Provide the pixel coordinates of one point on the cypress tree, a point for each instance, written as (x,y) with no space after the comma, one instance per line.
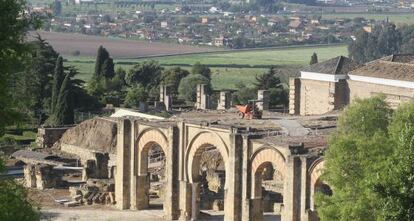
(314,59)
(57,82)
(108,68)
(64,113)
(101,57)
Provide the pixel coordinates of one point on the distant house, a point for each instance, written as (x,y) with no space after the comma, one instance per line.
(367,29)
(221,41)
(164,24)
(295,25)
(204,20)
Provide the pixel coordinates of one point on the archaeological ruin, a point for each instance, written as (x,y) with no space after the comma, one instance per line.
(213,160)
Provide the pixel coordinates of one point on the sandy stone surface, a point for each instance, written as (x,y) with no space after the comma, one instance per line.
(77,214)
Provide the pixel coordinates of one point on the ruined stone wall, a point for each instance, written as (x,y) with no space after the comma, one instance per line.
(97,134)
(395,95)
(46,137)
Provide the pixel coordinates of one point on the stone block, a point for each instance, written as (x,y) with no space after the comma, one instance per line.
(77,197)
(71,204)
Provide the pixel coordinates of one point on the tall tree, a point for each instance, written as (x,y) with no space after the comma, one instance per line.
(108,68)
(173,77)
(267,80)
(271,81)
(147,73)
(31,84)
(314,59)
(188,86)
(58,78)
(64,113)
(14,23)
(356,156)
(101,57)
(382,41)
(395,187)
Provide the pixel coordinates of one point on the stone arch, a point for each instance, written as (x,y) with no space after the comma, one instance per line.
(315,171)
(259,159)
(196,147)
(145,141)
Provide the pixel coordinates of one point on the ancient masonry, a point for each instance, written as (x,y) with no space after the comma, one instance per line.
(245,155)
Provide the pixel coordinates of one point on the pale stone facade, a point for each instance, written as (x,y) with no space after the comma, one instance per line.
(332,84)
(244,156)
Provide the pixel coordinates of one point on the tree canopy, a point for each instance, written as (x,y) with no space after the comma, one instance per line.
(14,23)
(314,59)
(368,164)
(383,40)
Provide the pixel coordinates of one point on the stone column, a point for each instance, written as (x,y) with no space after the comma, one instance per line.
(224,100)
(195,201)
(165,96)
(294,197)
(143,186)
(122,180)
(294,96)
(202,97)
(185,200)
(29,175)
(134,166)
(257,209)
(264,97)
(246,180)
(233,196)
(304,190)
(172,187)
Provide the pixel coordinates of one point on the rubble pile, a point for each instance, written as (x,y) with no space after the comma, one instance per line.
(95,191)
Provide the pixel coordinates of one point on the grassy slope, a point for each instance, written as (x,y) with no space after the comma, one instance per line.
(227,77)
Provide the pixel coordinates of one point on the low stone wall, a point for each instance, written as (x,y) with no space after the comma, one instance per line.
(46,137)
(42,176)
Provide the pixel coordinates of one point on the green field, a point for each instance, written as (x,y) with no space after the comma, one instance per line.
(397,18)
(227,77)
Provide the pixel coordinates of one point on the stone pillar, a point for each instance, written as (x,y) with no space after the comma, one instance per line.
(257,209)
(264,97)
(195,201)
(246,180)
(171,196)
(294,198)
(143,186)
(122,178)
(224,100)
(29,175)
(294,96)
(304,190)
(202,97)
(185,200)
(233,196)
(134,162)
(166,97)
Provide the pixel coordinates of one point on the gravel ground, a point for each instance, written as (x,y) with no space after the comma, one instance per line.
(64,214)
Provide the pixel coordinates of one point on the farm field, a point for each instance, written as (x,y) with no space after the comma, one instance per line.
(226,74)
(397,18)
(68,43)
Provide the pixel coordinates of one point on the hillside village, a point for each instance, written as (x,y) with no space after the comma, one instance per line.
(205,25)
